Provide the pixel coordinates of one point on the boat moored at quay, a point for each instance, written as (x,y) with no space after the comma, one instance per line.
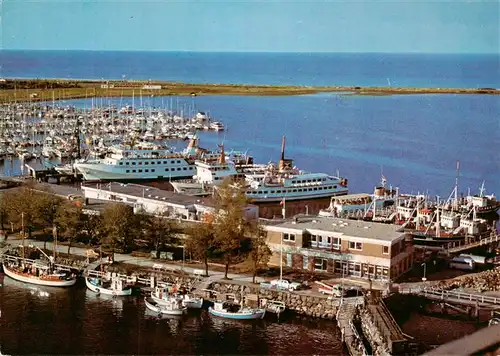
(265,183)
(39,273)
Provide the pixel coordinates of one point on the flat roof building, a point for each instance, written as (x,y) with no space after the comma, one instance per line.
(348,247)
(157,201)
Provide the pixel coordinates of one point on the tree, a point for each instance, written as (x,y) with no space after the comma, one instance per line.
(69,221)
(46,206)
(260,253)
(158,230)
(119,225)
(92,226)
(201,242)
(21,203)
(230,225)
(4,209)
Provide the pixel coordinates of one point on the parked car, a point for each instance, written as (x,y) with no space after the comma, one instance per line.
(285,284)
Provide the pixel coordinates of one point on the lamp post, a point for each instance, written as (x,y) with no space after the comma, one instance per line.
(281,257)
(183,256)
(425,268)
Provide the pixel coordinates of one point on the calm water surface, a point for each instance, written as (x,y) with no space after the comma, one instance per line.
(37,320)
(414,140)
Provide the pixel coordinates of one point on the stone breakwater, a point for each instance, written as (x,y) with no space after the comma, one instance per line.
(302,304)
(372,333)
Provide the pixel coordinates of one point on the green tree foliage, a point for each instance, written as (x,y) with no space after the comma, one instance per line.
(69,221)
(260,253)
(119,227)
(92,228)
(201,242)
(4,209)
(158,230)
(230,227)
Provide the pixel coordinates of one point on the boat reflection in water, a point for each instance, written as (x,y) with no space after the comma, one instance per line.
(35,290)
(114,303)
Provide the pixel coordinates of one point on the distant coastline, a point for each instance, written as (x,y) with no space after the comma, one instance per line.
(12,90)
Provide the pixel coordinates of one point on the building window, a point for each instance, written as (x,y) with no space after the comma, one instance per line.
(320,264)
(385,250)
(152,170)
(336,243)
(288,237)
(313,238)
(166,169)
(128,171)
(305,262)
(355,245)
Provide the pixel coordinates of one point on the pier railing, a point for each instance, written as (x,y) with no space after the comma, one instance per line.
(387,326)
(452,248)
(452,296)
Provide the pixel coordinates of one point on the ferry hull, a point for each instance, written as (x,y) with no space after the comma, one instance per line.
(312,206)
(36,280)
(101,290)
(91,173)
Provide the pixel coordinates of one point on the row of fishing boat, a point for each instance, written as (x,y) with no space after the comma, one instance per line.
(164,299)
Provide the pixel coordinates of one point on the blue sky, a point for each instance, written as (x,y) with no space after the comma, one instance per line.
(433,26)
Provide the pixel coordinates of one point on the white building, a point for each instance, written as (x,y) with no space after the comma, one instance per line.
(157,201)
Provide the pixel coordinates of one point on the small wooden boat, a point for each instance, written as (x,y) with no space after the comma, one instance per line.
(44,275)
(191,302)
(173,308)
(163,295)
(223,310)
(114,287)
(275,306)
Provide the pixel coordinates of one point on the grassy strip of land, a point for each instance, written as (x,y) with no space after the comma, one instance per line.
(21,90)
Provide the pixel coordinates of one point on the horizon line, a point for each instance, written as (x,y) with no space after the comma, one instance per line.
(230,52)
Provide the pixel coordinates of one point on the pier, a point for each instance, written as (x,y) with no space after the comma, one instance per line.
(454,297)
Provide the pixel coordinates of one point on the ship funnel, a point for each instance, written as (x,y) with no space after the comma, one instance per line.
(284,164)
(193,143)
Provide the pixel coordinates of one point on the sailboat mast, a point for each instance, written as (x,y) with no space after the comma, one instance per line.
(456,183)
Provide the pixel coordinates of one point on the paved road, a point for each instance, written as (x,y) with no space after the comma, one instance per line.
(139,261)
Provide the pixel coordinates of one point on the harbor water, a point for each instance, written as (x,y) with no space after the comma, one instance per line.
(414,140)
(76,321)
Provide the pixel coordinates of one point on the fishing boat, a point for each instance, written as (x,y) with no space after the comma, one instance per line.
(191,302)
(228,311)
(114,286)
(39,272)
(274,306)
(173,307)
(163,295)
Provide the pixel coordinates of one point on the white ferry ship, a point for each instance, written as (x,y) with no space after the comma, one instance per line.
(145,161)
(266,183)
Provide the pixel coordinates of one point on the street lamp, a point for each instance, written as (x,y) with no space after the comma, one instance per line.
(425,267)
